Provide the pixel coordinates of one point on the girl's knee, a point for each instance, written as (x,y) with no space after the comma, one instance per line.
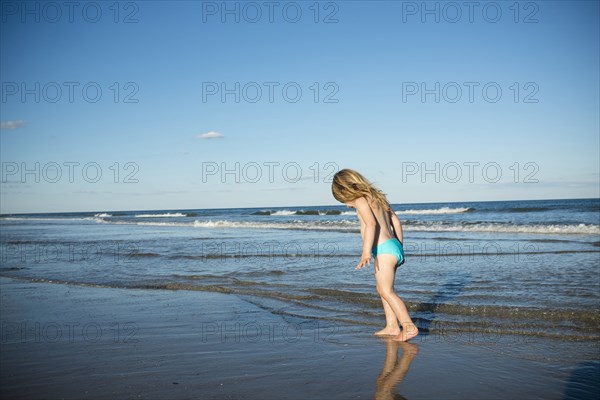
(385,292)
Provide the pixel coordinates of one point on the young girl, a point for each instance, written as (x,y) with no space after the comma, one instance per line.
(381,232)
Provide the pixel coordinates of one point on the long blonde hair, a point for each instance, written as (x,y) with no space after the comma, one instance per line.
(349,185)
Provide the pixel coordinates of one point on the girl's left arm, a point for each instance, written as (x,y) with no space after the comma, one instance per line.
(364,212)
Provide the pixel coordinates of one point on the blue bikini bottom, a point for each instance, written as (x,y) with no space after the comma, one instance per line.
(393,247)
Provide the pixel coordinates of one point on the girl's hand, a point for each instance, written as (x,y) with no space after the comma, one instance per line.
(364,261)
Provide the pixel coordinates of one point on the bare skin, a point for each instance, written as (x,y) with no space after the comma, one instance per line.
(375,228)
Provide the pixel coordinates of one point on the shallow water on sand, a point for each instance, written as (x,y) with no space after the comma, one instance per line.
(72,342)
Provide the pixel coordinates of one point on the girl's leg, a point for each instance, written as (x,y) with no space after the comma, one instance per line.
(391,322)
(385,287)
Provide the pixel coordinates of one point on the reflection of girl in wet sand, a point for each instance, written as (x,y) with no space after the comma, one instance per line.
(393,372)
(381,231)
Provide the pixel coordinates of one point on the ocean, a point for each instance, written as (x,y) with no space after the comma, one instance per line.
(487,271)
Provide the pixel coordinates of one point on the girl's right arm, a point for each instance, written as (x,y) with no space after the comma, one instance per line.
(363,210)
(397,226)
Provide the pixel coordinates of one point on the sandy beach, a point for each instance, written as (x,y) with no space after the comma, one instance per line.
(73,342)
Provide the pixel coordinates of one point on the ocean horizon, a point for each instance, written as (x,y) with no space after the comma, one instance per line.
(280,206)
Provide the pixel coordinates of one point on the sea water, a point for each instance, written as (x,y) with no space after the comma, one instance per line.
(501,269)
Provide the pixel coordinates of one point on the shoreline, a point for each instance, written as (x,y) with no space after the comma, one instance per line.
(64,341)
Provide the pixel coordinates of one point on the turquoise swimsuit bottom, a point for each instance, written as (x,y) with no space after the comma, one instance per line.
(393,247)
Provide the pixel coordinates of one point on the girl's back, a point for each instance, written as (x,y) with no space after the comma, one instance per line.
(383,218)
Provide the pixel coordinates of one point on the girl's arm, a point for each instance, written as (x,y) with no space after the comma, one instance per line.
(366,215)
(397,226)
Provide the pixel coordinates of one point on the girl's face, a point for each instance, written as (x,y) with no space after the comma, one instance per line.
(351,204)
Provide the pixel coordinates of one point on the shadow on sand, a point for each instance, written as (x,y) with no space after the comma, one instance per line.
(447,291)
(584,382)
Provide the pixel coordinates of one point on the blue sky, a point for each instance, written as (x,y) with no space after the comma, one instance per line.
(162,75)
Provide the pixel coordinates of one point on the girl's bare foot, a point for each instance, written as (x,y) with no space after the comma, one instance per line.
(408,332)
(387,331)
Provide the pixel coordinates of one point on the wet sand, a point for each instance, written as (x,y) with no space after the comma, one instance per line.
(76,342)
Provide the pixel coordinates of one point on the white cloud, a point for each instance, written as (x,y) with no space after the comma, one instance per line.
(12,124)
(211,135)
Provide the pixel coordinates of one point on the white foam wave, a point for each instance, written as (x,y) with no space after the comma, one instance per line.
(294,225)
(507,228)
(346,225)
(442,210)
(283,213)
(286,213)
(167,215)
(102,215)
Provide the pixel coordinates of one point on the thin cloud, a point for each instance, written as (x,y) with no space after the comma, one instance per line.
(211,135)
(10,125)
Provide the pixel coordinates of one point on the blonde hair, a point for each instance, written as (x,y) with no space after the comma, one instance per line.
(349,185)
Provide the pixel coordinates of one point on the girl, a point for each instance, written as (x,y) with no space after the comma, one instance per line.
(381,232)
